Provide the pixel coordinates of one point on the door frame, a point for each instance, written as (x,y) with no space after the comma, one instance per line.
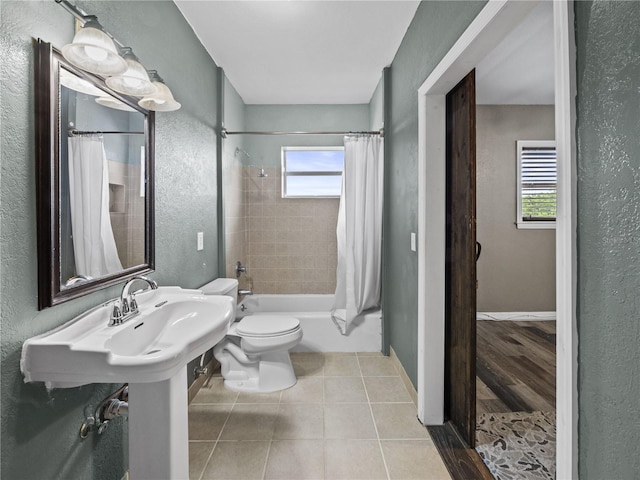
(491,25)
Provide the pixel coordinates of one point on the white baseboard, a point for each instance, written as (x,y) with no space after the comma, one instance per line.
(516,316)
(403,375)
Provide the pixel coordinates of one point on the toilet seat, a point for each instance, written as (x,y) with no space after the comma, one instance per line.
(261,326)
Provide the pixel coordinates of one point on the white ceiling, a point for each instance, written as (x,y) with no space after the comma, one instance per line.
(333,52)
(520,69)
(301,52)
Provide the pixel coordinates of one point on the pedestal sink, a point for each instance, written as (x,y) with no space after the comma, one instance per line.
(150,352)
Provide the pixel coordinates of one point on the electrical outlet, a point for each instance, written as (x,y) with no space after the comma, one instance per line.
(413,241)
(200,241)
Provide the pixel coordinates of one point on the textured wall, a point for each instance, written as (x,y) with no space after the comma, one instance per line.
(608,74)
(517,268)
(40,429)
(434,29)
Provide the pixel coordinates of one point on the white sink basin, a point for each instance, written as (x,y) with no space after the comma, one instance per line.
(173,327)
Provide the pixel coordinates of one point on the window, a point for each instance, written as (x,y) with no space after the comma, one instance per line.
(536,184)
(312,171)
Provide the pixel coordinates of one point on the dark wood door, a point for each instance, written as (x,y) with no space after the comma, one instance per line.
(460,310)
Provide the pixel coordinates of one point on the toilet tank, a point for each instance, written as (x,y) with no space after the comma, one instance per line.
(221,286)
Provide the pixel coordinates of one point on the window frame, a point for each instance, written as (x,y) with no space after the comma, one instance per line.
(307,173)
(521,223)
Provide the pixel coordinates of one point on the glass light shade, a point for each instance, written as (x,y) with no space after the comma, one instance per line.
(134,81)
(161,101)
(93,51)
(112,102)
(78,84)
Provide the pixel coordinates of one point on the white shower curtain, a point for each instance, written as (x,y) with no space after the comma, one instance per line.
(359,230)
(94,246)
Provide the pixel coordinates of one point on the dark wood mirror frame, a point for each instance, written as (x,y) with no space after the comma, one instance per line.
(47,129)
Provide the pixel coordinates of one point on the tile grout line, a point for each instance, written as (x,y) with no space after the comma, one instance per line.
(266,460)
(215,445)
(384,460)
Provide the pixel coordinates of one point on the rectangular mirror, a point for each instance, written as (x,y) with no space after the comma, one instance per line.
(94,173)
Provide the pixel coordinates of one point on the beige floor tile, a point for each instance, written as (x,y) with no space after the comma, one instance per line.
(398,421)
(348,420)
(386,389)
(377,366)
(307,390)
(199,453)
(295,460)
(299,421)
(272,397)
(215,392)
(336,365)
(206,421)
(250,422)
(237,461)
(413,460)
(353,460)
(307,364)
(344,389)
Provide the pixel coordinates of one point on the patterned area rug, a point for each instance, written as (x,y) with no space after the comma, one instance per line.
(518,445)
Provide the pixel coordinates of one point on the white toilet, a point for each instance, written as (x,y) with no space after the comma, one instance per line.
(254,356)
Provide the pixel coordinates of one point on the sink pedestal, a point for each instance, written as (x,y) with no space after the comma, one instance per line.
(158,429)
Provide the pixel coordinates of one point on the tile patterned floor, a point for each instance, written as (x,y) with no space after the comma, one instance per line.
(349,417)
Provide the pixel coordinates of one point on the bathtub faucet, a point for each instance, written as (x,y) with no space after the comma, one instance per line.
(245,292)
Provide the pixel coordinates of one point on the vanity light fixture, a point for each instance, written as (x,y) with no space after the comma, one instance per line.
(112,102)
(97,51)
(162,100)
(134,81)
(93,50)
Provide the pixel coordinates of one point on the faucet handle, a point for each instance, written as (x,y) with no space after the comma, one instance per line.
(116,314)
(133,305)
(125,306)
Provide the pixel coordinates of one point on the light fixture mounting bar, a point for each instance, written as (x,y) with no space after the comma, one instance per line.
(83,17)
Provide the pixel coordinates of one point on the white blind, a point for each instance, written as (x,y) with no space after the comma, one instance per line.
(538,181)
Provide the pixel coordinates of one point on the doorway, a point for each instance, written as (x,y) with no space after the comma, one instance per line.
(490,26)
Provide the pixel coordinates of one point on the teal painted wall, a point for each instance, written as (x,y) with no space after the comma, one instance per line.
(608,135)
(265,150)
(40,429)
(434,29)
(376,107)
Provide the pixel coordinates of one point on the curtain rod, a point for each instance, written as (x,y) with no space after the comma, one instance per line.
(73,133)
(224,133)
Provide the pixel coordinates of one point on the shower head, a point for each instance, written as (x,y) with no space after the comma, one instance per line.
(239,151)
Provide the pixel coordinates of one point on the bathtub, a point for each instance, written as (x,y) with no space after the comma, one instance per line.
(320,334)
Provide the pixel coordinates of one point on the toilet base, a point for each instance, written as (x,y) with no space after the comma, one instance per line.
(271,373)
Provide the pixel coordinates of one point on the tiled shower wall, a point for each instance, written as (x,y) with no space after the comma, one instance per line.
(127,212)
(291,243)
(234,214)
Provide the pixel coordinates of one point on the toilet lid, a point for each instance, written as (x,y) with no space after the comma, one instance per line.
(267,325)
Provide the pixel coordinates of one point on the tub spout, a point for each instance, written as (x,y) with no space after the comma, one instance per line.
(245,292)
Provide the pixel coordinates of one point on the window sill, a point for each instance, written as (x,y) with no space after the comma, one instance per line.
(536,225)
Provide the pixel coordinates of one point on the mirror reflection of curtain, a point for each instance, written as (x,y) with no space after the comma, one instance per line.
(359,230)
(94,245)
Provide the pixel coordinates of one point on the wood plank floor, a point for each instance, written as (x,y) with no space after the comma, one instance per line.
(516,365)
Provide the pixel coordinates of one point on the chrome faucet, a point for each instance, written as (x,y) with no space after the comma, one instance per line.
(126,306)
(245,292)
